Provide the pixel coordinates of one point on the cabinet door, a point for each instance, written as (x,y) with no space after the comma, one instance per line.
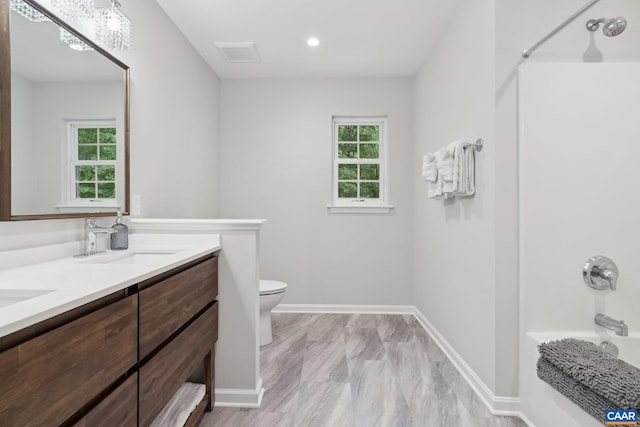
(119,408)
(49,378)
(165,372)
(166,306)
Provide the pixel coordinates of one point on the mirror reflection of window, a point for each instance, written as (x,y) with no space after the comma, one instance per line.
(94,162)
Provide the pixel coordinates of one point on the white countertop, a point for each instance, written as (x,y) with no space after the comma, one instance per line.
(71,282)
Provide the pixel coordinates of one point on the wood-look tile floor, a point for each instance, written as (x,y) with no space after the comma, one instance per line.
(333,370)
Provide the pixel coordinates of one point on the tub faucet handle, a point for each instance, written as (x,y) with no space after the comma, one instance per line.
(600,272)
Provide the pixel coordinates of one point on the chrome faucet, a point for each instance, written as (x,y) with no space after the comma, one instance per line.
(91,231)
(618,326)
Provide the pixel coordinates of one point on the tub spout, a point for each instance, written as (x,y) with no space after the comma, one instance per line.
(618,326)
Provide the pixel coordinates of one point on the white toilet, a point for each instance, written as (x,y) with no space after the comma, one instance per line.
(271,293)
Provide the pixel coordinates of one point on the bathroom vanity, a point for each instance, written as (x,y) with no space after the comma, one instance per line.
(119,355)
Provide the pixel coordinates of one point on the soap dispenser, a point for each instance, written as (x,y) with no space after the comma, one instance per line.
(120,235)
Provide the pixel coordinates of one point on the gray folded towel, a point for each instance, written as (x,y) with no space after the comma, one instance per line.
(588,364)
(592,403)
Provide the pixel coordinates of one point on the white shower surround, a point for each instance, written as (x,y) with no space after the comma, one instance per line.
(578,198)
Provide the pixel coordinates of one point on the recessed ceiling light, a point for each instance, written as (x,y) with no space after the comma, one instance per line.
(313,42)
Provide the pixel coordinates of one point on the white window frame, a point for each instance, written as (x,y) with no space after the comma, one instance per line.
(361,205)
(72,162)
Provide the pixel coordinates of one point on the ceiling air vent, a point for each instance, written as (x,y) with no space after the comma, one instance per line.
(238,52)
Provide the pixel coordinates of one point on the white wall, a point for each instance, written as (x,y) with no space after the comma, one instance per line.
(579,194)
(276,164)
(174,130)
(174,118)
(23,106)
(454,239)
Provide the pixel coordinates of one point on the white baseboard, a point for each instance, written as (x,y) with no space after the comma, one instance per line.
(526,420)
(343,308)
(498,405)
(239,398)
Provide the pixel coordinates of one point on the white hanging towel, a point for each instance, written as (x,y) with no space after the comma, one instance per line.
(429,168)
(430,174)
(442,188)
(463,181)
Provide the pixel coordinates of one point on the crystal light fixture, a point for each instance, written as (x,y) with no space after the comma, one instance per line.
(113,28)
(28,11)
(74,42)
(74,9)
(109,26)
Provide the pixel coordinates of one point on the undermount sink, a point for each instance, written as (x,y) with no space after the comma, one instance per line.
(135,257)
(14,296)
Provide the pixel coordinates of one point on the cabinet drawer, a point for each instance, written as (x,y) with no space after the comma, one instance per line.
(119,408)
(47,379)
(163,375)
(166,306)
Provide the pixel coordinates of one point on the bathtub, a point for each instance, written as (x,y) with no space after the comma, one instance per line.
(542,405)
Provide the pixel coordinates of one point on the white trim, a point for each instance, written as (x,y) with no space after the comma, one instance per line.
(239,398)
(497,405)
(344,308)
(526,420)
(201,225)
(382,161)
(521,234)
(359,209)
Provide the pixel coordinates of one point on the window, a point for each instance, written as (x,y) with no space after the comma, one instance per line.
(93,165)
(359,181)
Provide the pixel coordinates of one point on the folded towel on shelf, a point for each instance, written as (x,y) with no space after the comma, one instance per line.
(588,364)
(429,168)
(590,401)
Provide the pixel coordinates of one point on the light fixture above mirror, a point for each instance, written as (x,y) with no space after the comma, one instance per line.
(113,28)
(104,18)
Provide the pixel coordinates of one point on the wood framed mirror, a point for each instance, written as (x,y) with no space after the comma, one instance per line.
(64,120)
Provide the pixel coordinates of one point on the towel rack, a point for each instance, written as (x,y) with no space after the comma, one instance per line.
(478,145)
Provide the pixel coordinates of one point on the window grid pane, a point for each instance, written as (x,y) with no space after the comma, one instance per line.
(88,152)
(85,190)
(369,172)
(87,136)
(107,136)
(369,151)
(368,133)
(369,190)
(347,190)
(347,133)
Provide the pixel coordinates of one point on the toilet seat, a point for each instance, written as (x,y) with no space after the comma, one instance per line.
(270,287)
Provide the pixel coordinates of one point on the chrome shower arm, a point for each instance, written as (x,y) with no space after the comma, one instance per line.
(527,52)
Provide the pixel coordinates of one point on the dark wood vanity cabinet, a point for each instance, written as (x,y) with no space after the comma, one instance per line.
(45,380)
(178,327)
(119,408)
(118,360)
(167,305)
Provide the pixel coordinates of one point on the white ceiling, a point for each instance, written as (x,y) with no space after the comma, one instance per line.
(359,38)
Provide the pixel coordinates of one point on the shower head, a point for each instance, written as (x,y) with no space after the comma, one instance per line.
(610,27)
